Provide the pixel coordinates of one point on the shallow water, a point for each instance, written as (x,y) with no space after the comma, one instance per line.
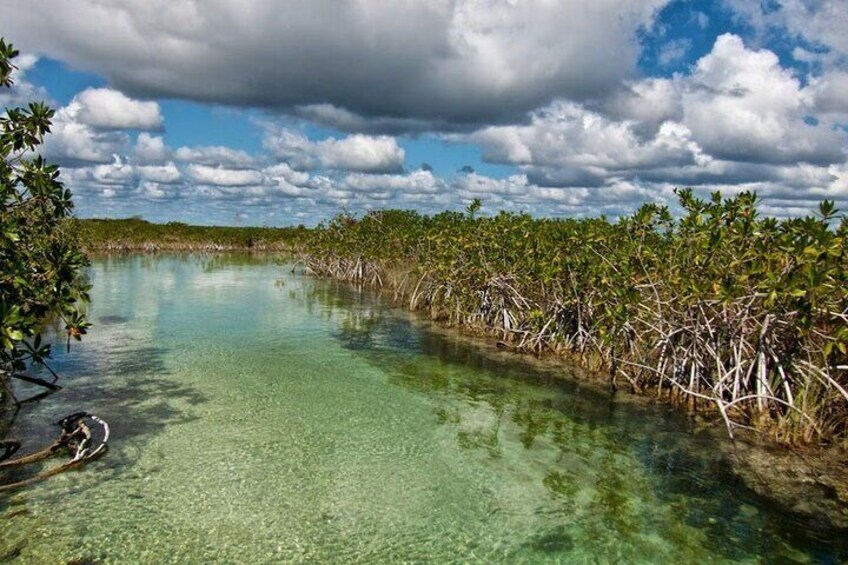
(261,417)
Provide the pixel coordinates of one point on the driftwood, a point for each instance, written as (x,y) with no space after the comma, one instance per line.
(76,438)
(33,457)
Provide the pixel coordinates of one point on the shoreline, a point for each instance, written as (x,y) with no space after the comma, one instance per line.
(808,480)
(204,247)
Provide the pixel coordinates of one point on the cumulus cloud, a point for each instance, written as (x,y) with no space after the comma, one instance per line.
(219,176)
(117,172)
(90,128)
(215,156)
(283,172)
(71,142)
(742,105)
(109,109)
(613,197)
(453,60)
(820,23)
(357,152)
(150,148)
(288,181)
(154,191)
(160,174)
(738,116)
(475,185)
(567,136)
(549,92)
(645,103)
(415,182)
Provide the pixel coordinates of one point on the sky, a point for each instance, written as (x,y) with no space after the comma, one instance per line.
(269,112)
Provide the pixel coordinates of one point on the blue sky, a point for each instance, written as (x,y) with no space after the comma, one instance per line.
(249,112)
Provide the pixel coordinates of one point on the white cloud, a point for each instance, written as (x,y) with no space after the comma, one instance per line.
(71,141)
(284,172)
(219,176)
(475,185)
(819,22)
(151,148)
(646,103)
(89,128)
(742,105)
(109,109)
(838,185)
(363,153)
(569,197)
(738,105)
(614,197)
(415,182)
(160,174)
(215,156)
(153,190)
(116,173)
(566,135)
(288,181)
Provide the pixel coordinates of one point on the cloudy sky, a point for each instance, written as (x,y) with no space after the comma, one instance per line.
(283,112)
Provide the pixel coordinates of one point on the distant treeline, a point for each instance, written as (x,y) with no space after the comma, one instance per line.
(720,309)
(135,234)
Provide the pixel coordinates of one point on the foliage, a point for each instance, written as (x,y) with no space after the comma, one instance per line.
(138,234)
(720,309)
(40,261)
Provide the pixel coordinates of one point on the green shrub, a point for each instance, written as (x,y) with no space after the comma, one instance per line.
(40,259)
(721,308)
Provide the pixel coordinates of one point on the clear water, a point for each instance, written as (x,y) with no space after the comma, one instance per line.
(262,417)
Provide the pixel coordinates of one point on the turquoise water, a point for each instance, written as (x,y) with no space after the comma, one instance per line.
(260,417)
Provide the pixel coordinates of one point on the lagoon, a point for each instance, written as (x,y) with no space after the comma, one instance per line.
(262,416)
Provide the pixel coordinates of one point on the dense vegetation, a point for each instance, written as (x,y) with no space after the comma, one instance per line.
(138,234)
(40,259)
(720,309)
